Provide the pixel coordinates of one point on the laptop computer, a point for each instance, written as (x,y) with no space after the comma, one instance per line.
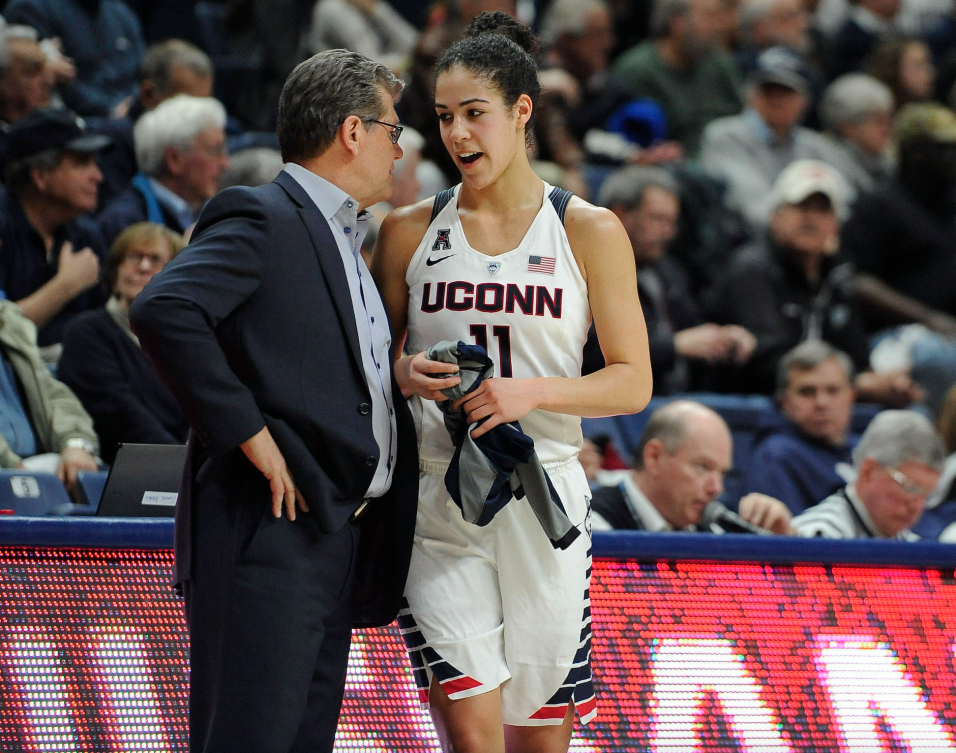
(143,482)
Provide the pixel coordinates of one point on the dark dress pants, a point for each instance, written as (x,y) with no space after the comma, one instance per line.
(269,614)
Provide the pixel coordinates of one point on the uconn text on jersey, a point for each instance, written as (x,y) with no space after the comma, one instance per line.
(492,297)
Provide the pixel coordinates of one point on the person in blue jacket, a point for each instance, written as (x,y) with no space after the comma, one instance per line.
(796,456)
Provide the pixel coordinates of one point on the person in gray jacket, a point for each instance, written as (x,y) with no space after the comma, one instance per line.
(748,151)
(43,426)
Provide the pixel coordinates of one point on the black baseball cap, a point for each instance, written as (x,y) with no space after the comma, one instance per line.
(52,129)
(780,66)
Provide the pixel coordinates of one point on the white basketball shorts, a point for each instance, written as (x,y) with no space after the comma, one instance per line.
(498,606)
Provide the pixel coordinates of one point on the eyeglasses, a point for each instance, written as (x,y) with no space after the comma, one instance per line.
(907,484)
(394,130)
(136,259)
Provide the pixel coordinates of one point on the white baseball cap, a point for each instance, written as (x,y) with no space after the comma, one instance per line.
(804,177)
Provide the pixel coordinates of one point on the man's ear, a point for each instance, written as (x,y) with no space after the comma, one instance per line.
(173,160)
(351,133)
(654,450)
(147,94)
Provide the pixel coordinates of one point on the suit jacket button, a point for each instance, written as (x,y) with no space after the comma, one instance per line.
(371,461)
(365,409)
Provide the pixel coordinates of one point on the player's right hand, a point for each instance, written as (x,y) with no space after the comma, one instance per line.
(416,375)
(264,454)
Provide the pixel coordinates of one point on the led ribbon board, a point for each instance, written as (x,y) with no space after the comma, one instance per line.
(688,656)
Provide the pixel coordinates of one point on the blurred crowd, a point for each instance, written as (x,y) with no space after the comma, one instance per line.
(785,170)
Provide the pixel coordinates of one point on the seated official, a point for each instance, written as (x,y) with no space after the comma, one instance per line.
(43,427)
(180,151)
(795,457)
(102,361)
(677,475)
(897,464)
(50,253)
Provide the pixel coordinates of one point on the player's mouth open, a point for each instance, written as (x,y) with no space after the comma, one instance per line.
(469,158)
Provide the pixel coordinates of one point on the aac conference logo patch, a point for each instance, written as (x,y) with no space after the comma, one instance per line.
(443,241)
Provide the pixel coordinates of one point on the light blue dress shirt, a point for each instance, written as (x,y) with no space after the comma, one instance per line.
(174,203)
(348,228)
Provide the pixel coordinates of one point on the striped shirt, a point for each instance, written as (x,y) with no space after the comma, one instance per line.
(842,516)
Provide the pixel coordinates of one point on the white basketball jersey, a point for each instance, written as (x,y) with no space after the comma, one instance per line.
(527,307)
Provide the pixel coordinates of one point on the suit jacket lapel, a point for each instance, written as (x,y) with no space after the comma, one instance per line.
(330,260)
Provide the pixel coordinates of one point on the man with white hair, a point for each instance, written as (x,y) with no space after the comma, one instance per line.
(857,111)
(897,464)
(181,151)
(791,285)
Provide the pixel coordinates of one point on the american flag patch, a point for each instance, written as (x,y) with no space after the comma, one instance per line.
(541,264)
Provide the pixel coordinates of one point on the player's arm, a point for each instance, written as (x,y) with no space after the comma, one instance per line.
(401,232)
(603,251)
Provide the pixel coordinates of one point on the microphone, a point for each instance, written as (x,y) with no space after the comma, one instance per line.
(717,513)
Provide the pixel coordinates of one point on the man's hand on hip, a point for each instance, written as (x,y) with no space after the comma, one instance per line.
(265,455)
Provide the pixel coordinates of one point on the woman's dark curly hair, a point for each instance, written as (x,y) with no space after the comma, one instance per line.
(502,51)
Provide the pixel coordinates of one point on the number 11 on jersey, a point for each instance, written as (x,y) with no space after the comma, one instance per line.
(502,334)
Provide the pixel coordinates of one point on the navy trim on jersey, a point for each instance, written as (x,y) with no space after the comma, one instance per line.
(560,198)
(441,201)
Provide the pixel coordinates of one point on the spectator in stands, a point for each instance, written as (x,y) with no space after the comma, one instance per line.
(906,66)
(857,111)
(102,37)
(869,23)
(181,151)
(769,23)
(683,69)
(25,83)
(795,456)
(938,517)
(169,68)
(792,285)
(897,465)
(647,201)
(51,252)
(102,362)
(901,238)
(43,427)
(677,475)
(370,27)
(750,150)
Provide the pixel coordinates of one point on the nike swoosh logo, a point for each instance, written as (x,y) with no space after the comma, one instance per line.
(430,262)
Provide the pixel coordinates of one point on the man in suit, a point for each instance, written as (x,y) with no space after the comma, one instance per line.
(271,334)
(678,472)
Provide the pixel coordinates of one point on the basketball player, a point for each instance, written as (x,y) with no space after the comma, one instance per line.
(498,621)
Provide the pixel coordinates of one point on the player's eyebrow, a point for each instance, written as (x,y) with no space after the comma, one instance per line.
(464,103)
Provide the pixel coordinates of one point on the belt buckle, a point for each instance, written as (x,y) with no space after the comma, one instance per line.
(359,511)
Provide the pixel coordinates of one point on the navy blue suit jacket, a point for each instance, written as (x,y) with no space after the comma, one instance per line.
(252,325)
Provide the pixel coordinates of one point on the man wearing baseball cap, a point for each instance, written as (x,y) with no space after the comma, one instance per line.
(51,252)
(792,285)
(748,151)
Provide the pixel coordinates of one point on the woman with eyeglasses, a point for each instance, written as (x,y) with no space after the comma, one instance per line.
(102,361)
(498,622)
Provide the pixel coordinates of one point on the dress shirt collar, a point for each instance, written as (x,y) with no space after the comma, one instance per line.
(652,519)
(327,196)
(173,201)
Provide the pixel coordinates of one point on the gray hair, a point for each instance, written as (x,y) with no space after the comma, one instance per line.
(9,34)
(567,17)
(321,93)
(852,99)
(669,425)
(626,186)
(174,123)
(895,436)
(664,11)
(160,60)
(807,356)
(18,175)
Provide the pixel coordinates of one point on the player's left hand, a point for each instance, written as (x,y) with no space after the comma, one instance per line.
(500,401)
(765,511)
